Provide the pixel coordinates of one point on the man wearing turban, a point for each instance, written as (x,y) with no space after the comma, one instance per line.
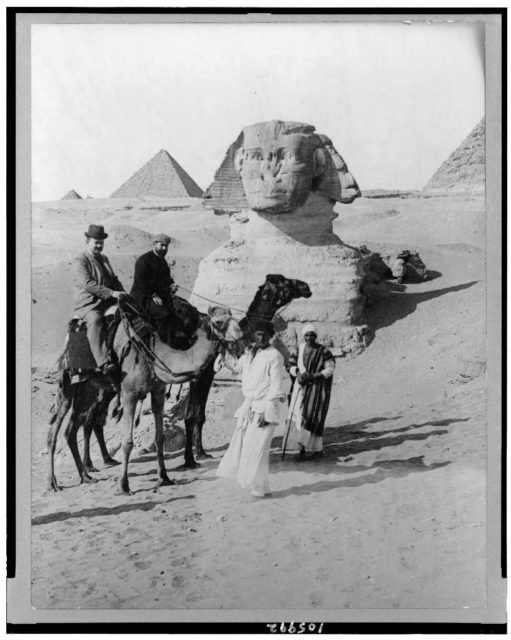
(311,394)
(262,375)
(153,286)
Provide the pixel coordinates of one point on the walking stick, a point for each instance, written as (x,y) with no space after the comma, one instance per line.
(289,416)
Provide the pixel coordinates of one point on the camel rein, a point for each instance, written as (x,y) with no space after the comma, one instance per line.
(146,352)
(140,345)
(247,313)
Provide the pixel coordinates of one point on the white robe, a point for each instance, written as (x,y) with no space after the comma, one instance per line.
(247,458)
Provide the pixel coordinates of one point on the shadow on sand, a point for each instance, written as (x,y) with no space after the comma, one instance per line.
(59,516)
(381,470)
(391,303)
(342,441)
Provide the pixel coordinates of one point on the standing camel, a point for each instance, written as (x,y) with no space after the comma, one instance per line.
(143,369)
(276,292)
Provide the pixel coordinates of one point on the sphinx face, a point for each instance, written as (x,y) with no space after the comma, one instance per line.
(276,170)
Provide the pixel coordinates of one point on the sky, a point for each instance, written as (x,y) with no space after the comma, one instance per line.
(395,98)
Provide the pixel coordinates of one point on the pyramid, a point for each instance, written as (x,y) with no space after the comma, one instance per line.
(162,176)
(72,195)
(464,169)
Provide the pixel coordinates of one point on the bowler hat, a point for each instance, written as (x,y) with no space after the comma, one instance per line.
(161,237)
(96,231)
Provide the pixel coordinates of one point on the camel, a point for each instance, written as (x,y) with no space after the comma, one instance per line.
(142,370)
(276,292)
(90,400)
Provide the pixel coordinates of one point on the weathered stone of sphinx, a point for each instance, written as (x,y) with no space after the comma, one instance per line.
(279,182)
(273,166)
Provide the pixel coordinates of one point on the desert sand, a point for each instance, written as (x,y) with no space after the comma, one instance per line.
(393,517)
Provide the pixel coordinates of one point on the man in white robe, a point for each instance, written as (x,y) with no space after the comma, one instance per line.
(248,456)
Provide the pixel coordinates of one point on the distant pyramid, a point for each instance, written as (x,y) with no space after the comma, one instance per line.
(162,176)
(72,195)
(464,169)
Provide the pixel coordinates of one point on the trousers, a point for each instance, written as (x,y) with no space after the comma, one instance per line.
(96,335)
(160,315)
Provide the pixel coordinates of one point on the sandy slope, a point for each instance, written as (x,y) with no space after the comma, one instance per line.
(393,517)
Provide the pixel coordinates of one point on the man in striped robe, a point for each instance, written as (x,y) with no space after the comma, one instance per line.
(311,394)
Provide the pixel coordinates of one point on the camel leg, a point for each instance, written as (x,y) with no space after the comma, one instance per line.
(99,425)
(203,387)
(129,404)
(157,405)
(190,421)
(100,437)
(63,404)
(70,433)
(87,432)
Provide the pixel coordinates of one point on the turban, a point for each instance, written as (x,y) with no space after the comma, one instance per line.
(161,237)
(266,326)
(309,328)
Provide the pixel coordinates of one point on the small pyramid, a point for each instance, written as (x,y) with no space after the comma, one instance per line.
(464,169)
(162,176)
(89,197)
(72,195)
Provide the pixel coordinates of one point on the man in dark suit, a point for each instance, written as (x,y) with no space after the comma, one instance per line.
(96,289)
(153,286)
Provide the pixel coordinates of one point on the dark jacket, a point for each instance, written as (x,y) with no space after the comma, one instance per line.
(152,277)
(94,281)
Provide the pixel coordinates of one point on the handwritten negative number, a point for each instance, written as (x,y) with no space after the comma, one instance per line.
(299,627)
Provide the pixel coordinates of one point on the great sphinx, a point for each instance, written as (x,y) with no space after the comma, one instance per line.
(279,182)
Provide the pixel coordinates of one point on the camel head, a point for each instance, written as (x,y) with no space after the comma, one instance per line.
(222,325)
(280,290)
(276,292)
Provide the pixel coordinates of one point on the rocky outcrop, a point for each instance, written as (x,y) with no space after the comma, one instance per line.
(161,177)
(464,169)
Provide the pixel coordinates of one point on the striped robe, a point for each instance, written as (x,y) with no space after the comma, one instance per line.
(316,396)
(309,403)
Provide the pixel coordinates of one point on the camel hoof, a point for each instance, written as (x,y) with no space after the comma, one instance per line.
(163,482)
(86,479)
(53,486)
(189,465)
(123,491)
(90,468)
(111,462)
(203,455)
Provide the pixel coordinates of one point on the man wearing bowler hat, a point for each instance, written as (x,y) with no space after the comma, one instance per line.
(153,286)
(96,288)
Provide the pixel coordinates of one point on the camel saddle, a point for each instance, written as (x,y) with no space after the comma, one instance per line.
(78,354)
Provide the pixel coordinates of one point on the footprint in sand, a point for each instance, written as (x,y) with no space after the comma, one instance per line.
(179,562)
(193,597)
(322,573)
(178,581)
(316,598)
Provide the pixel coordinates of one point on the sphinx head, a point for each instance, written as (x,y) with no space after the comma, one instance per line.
(278,163)
(273,166)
